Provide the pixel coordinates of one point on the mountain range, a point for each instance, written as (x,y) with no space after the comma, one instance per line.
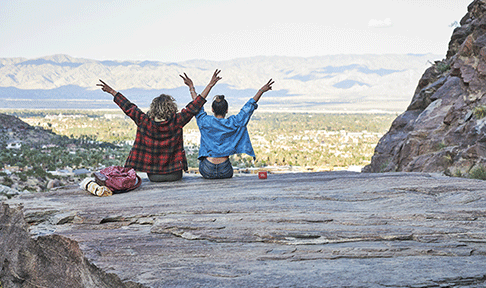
(333,83)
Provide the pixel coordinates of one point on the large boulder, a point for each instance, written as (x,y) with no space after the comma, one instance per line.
(47,261)
(443,128)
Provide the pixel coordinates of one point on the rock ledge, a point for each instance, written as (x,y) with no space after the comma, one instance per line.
(329,229)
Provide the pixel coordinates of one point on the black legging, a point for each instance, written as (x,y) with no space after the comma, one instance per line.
(174,176)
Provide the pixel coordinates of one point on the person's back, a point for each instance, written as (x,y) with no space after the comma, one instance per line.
(222,137)
(158,148)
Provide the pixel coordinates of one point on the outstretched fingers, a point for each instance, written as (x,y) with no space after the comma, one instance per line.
(105,87)
(216,74)
(184,77)
(187,80)
(103,84)
(268,86)
(215,77)
(270,83)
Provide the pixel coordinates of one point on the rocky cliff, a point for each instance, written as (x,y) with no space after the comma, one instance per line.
(47,261)
(443,129)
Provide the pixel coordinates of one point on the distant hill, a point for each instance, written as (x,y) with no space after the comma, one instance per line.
(13,129)
(324,83)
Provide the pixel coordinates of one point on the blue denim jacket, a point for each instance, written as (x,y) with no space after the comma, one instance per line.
(225,137)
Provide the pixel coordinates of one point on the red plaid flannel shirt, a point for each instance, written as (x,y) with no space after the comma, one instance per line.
(158,146)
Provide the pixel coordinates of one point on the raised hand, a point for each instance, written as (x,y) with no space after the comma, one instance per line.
(215,78)
(106,88)
(264,89)
(187,80)
(267,86)
(189,83)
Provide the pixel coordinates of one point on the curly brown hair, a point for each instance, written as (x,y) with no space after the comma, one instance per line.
(162,108)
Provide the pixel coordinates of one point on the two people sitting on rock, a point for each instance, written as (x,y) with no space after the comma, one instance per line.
(158,149)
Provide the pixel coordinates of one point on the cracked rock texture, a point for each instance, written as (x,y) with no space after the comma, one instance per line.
(443,128)
(330,229)
(47,261)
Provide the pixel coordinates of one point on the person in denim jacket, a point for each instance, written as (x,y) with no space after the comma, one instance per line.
(222,137)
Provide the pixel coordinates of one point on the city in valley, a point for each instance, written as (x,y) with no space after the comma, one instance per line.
(84,141)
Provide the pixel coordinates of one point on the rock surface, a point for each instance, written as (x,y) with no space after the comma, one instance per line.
(443,128)
(330,229)
(48,261)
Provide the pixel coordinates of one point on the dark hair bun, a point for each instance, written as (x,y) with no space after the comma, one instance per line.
(219,98)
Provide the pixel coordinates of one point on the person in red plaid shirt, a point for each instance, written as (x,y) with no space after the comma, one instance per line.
(158,149)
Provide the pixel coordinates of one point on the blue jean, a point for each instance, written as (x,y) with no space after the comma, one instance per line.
(215,171)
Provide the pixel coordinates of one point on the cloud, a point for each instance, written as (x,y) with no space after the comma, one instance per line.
(374,23)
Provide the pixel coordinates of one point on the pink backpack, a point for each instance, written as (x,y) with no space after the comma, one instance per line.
(118,179)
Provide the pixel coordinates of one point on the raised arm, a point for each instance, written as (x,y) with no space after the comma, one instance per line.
(189,83)
(264,89)
(214,79)
(107,88)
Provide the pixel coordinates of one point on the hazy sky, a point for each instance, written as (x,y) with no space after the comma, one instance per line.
(178,30)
